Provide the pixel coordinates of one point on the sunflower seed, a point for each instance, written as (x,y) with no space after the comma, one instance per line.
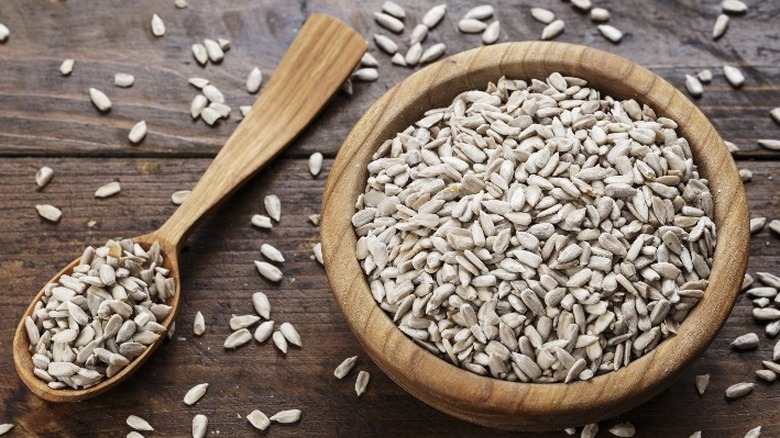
(491,33)
(471,25)
(197,106)
(280,341)
(210,115)
(242,321)
(433,53)
(542,15)
(43,176)
(158,26)
(583,5)
(99,99)
(134,434)
(389,22)
(66,68)
(746,175)
(721,24)
(610,32)
(368,60)
(200,424)
(254,80)
(317,250)
(287,416)
(733,6)
(273,206)
(315,163)
(200,54)
(199,324)
(195,393)
(290,334)
(734,76)
(757,224)
(314,219)
(766,375)
(180,4)
(747,341)
(49,212)
(772,145)
(263,331)
(696,434)
(107,190)
(590,430)
(570,431)
(198,83)
(553,29)
(258,420)
(221,109)
(702,382)
(345,367)
(213,50)
(693,86)
(261,304)
(413,54)
(434,16)
(123,80)
(774,226)
(385,44)
(139,423)
(271,253)
(599,14)
(739,390)
(213,94)
(361,382)
(366,74)
(705,76)
(418,35)
(245,109)
(224,44)
(623,430)
(4,33)
(262,221)
(766,314)
(180,196)
(238,338)
(137,133)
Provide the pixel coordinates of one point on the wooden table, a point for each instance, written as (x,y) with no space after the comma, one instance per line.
(47,119)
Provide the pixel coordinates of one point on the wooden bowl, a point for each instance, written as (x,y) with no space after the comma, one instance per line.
(524,406)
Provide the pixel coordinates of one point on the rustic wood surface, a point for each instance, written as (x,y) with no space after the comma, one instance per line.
(47,119)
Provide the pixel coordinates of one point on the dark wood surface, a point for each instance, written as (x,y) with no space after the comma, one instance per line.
(47,119)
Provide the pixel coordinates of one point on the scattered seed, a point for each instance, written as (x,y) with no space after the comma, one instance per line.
(482,12)
(245,109)
(238,338)
(180,196)
(287,417)
(433,53)
(213,94)
(124,80)
(757,224)
(775,114)
(195,393)
(553,29)
(583,5)
(221,109)
(4,33)
(315,163)
(705,76)
(254,80)
(385,44)
(471,25)
(49,212)
(389,22)
(542,15)
(491,33)
(238,322)
(317,250)
(107,190)
(258,420)
(139,423)
(734,76)
(271,253)
(99,99)
(263,331)
(262,221)
(610,32)
(198,83)
(314,219)
(368,60)
(702,382)
(434,16)
(158,26)
(746,175)
(413,55)
(137,133)
(213,50)
(747,341)
(273,206)
(180,4)
(696,434)
(200,54)
(774,226)
(199,324)
(43,176)
(733,7)
(290,334)
(721,24)
(731,146)
(4,428)
(361,382)
(200,424)
(739,390)
(66,68)
(280,341)
(261,304)
(766,375)
(366,74)
(197,106)
(599,14)
(210,115)
(693,86)
(754,433)
(345,367)
(131,434)
(570,431)
(418,35)
(268,271)
(224,44)
(772,145)
(590,430)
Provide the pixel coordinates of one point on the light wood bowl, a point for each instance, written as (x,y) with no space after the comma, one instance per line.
(498,403)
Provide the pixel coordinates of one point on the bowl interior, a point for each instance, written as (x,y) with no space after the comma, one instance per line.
(512,405)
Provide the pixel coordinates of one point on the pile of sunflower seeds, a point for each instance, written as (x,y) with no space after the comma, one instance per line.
(536,231)
(93,322)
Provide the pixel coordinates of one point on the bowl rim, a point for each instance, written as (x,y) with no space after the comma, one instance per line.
(515,405)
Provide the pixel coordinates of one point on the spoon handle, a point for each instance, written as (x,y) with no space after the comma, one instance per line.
(318,61)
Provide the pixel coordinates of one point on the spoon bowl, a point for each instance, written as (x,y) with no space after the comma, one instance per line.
(299,88)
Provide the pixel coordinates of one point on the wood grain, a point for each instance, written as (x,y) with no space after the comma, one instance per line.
(47,119)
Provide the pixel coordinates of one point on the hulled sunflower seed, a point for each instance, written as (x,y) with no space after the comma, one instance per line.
(224,44)
(696,434)
(213,94)
(413,54)
(774,226)
(134,434)
(66,68)
(124,80)
(583,5)
(599,14)
(254,80)
(4,33)
(107,190)
(221,109)
(273,206)
(366,74)
(731,146)
(290,334)
(5,428)
(210,115)
(314,219)
(271,253)
(264,331)
(287,416)
(491,33)
(394,9)
(693,86)
(705,76)
(733,6)
(757,224)
(49,212)
(385,44)
(178,197)
(199,324)
(280,341)
(315,163)
(197,106)
(261,304)
(433,53)
(747,341)
(482,12)
(361,382)
(739,390)
(258,420)
(766,375)
(99,99)
(775,114)
(195,393)
(139,423)
(590,430)
(553,29)
(198,83)
(610,32)
(245,109)
(158,26)
(200,424)
(262,221)
(317,250)
(137,133)
(471,25)
(238,338)
(180,4)
(200,54)
(542,15)
(746,175)
(213,50)
(702,382)
(772,145)
(270,271)
(721,24)
(766,313)
(242,321)
(43,176)
(418,35)
(389,22)
(734,76)
(434,15)
(368,60)
(345,367)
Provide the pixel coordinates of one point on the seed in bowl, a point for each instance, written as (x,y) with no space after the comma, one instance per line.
(95,320)
(537,231)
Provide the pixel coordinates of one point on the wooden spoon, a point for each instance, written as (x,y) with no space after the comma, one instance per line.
(318,61)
